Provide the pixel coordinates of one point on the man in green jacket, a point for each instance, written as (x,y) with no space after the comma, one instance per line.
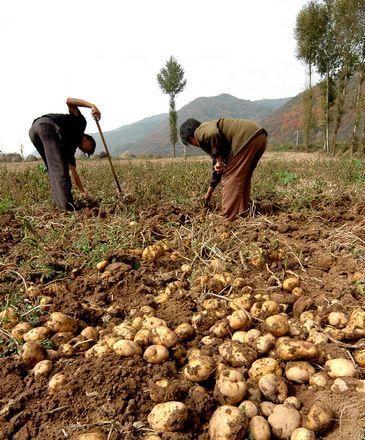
(236,146)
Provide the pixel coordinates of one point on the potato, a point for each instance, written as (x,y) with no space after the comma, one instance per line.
(199,368)
(299,372)
(32,353)
(42,368)
(267,408)
(297,291)
(220,313)
(239,320)
(90,333)
(293,401)
(259,429)
(147,311)
(336,333)
(102,265)
(220,329)
(163,336)
(227,423)
(109,340)
(243,302)
(143,337)
(57,382)
(265,309)
(59,322)
(151,322)
(337,319)
(156,354)
(284,420)
(211,304)
(318,379)
(319,418)
(20,330)
(168,417)
(273,388)
(294,350)
(95,435)
(137,323)
(8,318)
(359,356)
(277,325)
(239,336)
(264,366)
(263,344)
(184,331)
(62,338)
(340,368)
(203,320)
(125,331)
(66,350)
(126,348)
(355,327)
(316,337)
(339,386)
(251,336)
(230,387)
(99,350)
(302,434)
(37,334)
(249,408)
(238,283)
(236,354)
(291,283)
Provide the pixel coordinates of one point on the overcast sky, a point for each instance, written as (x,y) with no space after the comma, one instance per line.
(109,52)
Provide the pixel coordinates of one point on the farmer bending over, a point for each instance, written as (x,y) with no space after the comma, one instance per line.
(56,138)
(236,146)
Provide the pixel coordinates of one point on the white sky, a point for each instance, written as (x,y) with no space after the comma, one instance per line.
(109,52)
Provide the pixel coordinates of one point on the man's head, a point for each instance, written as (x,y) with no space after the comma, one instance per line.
(187,130)
(88,144)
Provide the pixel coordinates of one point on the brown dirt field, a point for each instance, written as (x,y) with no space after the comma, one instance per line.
(113,395)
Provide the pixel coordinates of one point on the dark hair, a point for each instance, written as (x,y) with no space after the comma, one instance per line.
(187,130)
(92,142)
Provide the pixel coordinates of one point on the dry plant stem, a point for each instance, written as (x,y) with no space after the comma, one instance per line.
(274,276)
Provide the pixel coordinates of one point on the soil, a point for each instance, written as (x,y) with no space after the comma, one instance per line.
(113,395)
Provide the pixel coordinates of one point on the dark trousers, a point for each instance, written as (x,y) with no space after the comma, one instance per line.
(46,138)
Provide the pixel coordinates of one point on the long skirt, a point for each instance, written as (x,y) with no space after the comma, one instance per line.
(236,179)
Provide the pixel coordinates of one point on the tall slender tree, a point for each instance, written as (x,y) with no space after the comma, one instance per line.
(171,81)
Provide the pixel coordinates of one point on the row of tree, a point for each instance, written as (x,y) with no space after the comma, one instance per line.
(330,36)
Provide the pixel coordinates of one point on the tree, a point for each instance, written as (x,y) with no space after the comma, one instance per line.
(171,81)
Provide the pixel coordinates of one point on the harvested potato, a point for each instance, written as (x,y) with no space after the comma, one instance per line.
(292,401)
(302,434)
(230,387)
(239,336)
(147,311)
(297,291)
(359,356)
(355,327)
(294,350)
(57,382)
(42,368)
(236,354)
(137,323)
(99,350)
(239,320)
(263,344)
(184,331)
(36,334)
(151,322)
(318,379)
(243,302)
(291,283)
(249,408)
(102,265)
(20,330)
(8,318)
(227,423)
(211,304)
(251,336)
(61,338)
(340,368)
(220,329)
(210,340)
(284,420)
(32,353)
(168,417)
(273,388)
(143,337)
(238,283)
(163,336)
(277,325)
(126,348)
(264,366)
(203,320)
(125,331)
(199,368)
(156,354)
(59,322)
(316,337)
(259,429)
(319,418)
(90,333)
(66,350)
(267,408)
(308,315)
(337,319)
(265,309)
(299,372)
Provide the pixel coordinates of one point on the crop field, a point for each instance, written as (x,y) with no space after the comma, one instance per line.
(150,317)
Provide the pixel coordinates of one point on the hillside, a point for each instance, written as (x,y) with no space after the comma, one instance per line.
(150,135)
(284,122)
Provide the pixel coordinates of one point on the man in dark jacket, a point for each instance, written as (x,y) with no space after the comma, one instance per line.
(56,138)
